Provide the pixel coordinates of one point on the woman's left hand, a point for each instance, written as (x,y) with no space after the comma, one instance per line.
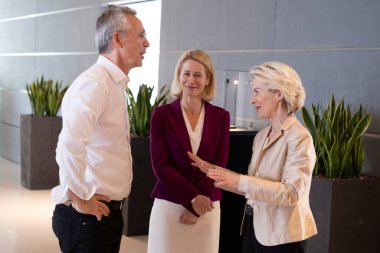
(198,162)
(224,178)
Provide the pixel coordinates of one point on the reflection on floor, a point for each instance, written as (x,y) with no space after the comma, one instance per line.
(25,218)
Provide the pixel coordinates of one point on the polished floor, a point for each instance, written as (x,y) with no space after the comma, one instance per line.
(25,218)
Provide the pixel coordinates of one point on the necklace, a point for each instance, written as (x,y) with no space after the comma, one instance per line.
(272,133)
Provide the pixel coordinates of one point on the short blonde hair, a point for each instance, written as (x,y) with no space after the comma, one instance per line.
(203,58)
(280,77)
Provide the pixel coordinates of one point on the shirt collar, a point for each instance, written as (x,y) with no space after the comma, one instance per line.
(115,72)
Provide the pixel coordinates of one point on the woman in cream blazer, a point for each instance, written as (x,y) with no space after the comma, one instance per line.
(277,217)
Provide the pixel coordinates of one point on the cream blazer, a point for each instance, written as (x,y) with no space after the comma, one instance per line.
(278,184)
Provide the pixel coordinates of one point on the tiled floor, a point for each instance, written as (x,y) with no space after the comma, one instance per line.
(25,218)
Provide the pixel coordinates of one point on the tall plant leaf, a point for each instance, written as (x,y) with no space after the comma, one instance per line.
(140,109)
(45,96)
(338,138)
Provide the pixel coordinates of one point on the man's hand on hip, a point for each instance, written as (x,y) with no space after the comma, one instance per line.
(94,206)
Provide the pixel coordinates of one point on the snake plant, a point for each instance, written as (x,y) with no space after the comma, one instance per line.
(45,96)
(338,138)
(140,109)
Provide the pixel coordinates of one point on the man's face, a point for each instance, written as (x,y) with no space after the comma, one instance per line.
(133,45)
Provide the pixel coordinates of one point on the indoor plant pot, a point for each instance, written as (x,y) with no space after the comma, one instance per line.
(345,203)
(346,213)
(39,135)
(136,211)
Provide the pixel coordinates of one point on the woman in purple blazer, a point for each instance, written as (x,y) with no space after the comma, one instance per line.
(185,215)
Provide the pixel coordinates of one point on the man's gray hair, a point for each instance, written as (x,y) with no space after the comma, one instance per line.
(112,20)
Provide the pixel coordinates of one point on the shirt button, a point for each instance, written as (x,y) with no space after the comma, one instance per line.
(256,208)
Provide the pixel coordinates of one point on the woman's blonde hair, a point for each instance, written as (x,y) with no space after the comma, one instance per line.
(203,58)
(280,77)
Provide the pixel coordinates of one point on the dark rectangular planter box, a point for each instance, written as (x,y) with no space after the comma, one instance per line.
(347,213)
(39,136)
(136,211)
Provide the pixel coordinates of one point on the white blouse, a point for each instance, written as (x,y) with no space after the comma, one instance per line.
(196,135)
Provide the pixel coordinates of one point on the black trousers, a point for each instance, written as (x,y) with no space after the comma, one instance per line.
(251,245)
(83,233)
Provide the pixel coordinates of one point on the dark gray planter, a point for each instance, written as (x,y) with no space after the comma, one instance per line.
(39,136)
(347,215)
(136,211)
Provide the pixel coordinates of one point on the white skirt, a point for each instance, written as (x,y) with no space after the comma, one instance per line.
(167,235)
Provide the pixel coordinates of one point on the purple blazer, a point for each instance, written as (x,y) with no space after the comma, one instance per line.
(177,180)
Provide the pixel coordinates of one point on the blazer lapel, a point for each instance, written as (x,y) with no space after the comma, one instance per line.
(208,131)
(263,145)
(286,125)
(178,123)
(262,142)
(272,140)
(257,156)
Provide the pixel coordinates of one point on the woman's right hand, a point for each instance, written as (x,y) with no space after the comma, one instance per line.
(224,178)
(202,204)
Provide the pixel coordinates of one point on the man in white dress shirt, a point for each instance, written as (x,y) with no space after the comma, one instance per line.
(93,150)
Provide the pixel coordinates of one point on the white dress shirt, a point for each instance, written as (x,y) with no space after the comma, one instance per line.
(93,150)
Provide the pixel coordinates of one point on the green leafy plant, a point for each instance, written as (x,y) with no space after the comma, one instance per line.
(140,109)
(338,138)
(45,96)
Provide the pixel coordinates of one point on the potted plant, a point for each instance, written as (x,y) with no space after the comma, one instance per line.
(345,203)
(39,134)
(141,109)
(136,211)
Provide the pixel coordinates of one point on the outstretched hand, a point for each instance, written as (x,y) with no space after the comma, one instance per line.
(198,162)
(224,178)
